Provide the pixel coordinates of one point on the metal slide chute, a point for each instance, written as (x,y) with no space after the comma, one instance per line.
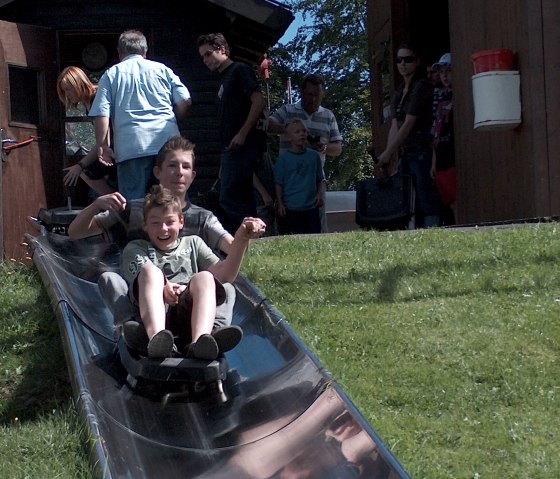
(283,414)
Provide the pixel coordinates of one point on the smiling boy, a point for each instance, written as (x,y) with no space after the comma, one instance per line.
(185,274)
(120,221)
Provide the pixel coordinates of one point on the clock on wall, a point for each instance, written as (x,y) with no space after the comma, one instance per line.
(94,56)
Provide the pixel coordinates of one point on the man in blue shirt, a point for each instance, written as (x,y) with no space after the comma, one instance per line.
(143,99)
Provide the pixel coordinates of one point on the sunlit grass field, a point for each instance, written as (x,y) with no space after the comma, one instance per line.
(447,341)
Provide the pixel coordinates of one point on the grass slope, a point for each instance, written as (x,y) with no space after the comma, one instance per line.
(447,341)
(41,435)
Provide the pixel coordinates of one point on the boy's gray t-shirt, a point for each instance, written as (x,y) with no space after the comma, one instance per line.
(179,264)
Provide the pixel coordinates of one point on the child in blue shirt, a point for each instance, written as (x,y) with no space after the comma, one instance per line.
(299,183)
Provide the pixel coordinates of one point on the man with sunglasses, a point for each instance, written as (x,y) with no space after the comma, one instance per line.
(240,107)
(410,135)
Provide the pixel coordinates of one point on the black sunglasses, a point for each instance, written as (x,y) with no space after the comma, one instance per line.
(408,59)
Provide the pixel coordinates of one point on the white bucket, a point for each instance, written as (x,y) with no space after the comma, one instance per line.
(497,101)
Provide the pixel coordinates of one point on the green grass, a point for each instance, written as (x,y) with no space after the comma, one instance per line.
(41,435)
(447,341)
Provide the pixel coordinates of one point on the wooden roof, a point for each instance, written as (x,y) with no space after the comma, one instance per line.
(251,26)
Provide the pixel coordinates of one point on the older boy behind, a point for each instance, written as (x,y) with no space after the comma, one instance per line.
(185,274)
(299,184)
(120,221)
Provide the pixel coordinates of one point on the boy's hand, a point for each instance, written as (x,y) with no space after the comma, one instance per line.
(111,202)
(251,228)
(171,292)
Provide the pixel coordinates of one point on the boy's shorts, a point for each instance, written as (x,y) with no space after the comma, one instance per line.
(178,317)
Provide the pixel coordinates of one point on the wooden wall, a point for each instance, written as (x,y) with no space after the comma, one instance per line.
(502,175)
(31,175)
(550,55)
(494,167)
(512,174)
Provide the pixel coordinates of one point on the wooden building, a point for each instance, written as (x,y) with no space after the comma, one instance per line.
(504,174)
(38,38)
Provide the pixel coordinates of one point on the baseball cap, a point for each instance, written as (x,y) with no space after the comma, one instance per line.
(444,61)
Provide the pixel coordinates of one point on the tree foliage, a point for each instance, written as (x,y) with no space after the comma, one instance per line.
(332,42)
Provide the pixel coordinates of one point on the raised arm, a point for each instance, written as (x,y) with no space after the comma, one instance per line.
(225,243)
(84,224)
(227,270)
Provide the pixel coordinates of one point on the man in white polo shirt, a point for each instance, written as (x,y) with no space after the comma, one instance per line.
(324,136)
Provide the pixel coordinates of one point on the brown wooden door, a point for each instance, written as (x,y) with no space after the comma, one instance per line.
(30,177)
(385,31)
(381,86)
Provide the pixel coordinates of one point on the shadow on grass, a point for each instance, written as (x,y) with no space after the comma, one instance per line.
(387,283)
(392,277)
(44,384)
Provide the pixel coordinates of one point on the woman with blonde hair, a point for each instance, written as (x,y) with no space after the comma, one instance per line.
(74,87)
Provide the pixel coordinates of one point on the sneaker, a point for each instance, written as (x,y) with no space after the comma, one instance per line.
(161,345)
(205,347)
(227,337)
(135,337)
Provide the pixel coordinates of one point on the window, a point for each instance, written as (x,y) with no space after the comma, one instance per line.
(79,132)
(25,104)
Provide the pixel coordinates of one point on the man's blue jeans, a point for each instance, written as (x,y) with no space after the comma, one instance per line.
(135,176)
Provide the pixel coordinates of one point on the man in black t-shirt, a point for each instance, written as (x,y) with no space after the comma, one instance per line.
(240,107)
